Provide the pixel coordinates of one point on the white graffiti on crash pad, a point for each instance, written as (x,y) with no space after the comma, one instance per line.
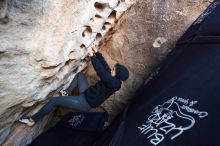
(170,118)
(76,120)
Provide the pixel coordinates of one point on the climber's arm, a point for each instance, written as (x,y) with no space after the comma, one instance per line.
(100,70)
(102,61)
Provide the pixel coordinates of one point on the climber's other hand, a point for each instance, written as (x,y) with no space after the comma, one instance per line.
(95,50)
(91,53)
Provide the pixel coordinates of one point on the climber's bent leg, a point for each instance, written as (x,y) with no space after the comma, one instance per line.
(82,82)
(73,85)
(73,102)
(79,80)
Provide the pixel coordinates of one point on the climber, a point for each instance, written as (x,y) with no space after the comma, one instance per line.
(89,97)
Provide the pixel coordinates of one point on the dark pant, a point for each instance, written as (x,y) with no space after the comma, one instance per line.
(74,102)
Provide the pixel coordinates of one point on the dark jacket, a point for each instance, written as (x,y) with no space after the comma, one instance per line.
(107,85)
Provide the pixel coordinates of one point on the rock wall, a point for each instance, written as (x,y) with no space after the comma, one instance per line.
(43,44)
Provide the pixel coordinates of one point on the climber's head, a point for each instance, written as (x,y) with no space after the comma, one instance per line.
(120,72)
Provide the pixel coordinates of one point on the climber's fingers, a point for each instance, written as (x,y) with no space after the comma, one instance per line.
(95,50)
(91,53)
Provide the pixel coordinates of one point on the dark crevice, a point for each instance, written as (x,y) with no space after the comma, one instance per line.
(87,31)
(98,16)
(106,25)
(100,6)
(82,46)
(4,19)
(51,67)
(98,36)
(112,15)
(103,27)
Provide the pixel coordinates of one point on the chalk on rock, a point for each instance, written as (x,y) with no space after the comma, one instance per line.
(113,3)
(158,42)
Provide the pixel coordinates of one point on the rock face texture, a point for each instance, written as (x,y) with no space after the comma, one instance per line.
(43,44)
(42,47)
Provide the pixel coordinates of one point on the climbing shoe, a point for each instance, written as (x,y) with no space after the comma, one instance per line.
(30,122)
(63,93)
